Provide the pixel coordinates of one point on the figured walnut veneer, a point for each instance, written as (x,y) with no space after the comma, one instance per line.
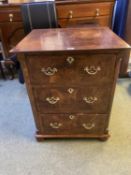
(71,76)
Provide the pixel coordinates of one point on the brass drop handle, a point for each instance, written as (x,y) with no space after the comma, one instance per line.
(71,117)
(88,126)
(11,17)
(52,100)
(49,71)
(92,70)
(55,125)
(90,100)
(97,12)
(70,14)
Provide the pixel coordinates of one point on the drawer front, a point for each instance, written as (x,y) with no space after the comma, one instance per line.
(84,10)
(72,69)
(73,99)
(10,15)
(68,124)
(85,22)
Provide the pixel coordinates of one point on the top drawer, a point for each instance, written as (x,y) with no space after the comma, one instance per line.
(72,69)
(85,10)
(10,15)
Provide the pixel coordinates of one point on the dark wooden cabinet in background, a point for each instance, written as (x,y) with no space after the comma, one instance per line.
(85,12)
(11,26)
(128,25)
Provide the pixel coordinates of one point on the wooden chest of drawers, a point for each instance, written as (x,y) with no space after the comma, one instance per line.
(70,76)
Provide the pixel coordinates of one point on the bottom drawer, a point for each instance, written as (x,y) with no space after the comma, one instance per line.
(67,124)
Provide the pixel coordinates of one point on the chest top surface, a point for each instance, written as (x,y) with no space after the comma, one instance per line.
(27,1)
(70,39)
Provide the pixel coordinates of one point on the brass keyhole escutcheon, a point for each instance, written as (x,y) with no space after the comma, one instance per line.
(70,60)
(70,90)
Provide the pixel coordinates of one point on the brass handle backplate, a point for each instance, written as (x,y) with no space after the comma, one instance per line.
(90,100)
(52,100)
(11,17)
(88,126)
(49,71)
(97,12)
(55,125)
(92,70)
(70,14)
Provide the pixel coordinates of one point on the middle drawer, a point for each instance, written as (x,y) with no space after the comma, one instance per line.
(72,99)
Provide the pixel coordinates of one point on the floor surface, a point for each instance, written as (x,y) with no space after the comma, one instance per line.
(21,154)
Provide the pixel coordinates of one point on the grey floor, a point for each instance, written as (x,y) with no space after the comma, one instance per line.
(20,154)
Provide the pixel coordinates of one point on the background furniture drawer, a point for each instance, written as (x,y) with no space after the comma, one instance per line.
(85,22)
(72,69)
(65,99)
(84,10)
(73,124)
(10,15)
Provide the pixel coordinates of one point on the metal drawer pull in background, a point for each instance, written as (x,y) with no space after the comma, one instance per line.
(49,71)
(71,117)
(11,17)
(70,14)
(97,12)
(92,70)
(90,100)
(55,125)
(52,100)
(88,126)
(70,60)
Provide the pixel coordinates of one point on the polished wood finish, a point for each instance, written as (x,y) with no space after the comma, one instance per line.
(68,102)
(85,22)
(68,70)
(71,76)
(97,13)
(11,26)
(58,1)
(64,11)
(73,124)
(64,40)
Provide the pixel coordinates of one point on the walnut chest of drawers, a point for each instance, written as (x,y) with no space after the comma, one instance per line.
(70,76)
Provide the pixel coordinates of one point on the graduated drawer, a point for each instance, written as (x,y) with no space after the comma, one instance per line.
(72,69)
(10,15)
(70,11)
(73,99)
(68,124)
(86,21)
